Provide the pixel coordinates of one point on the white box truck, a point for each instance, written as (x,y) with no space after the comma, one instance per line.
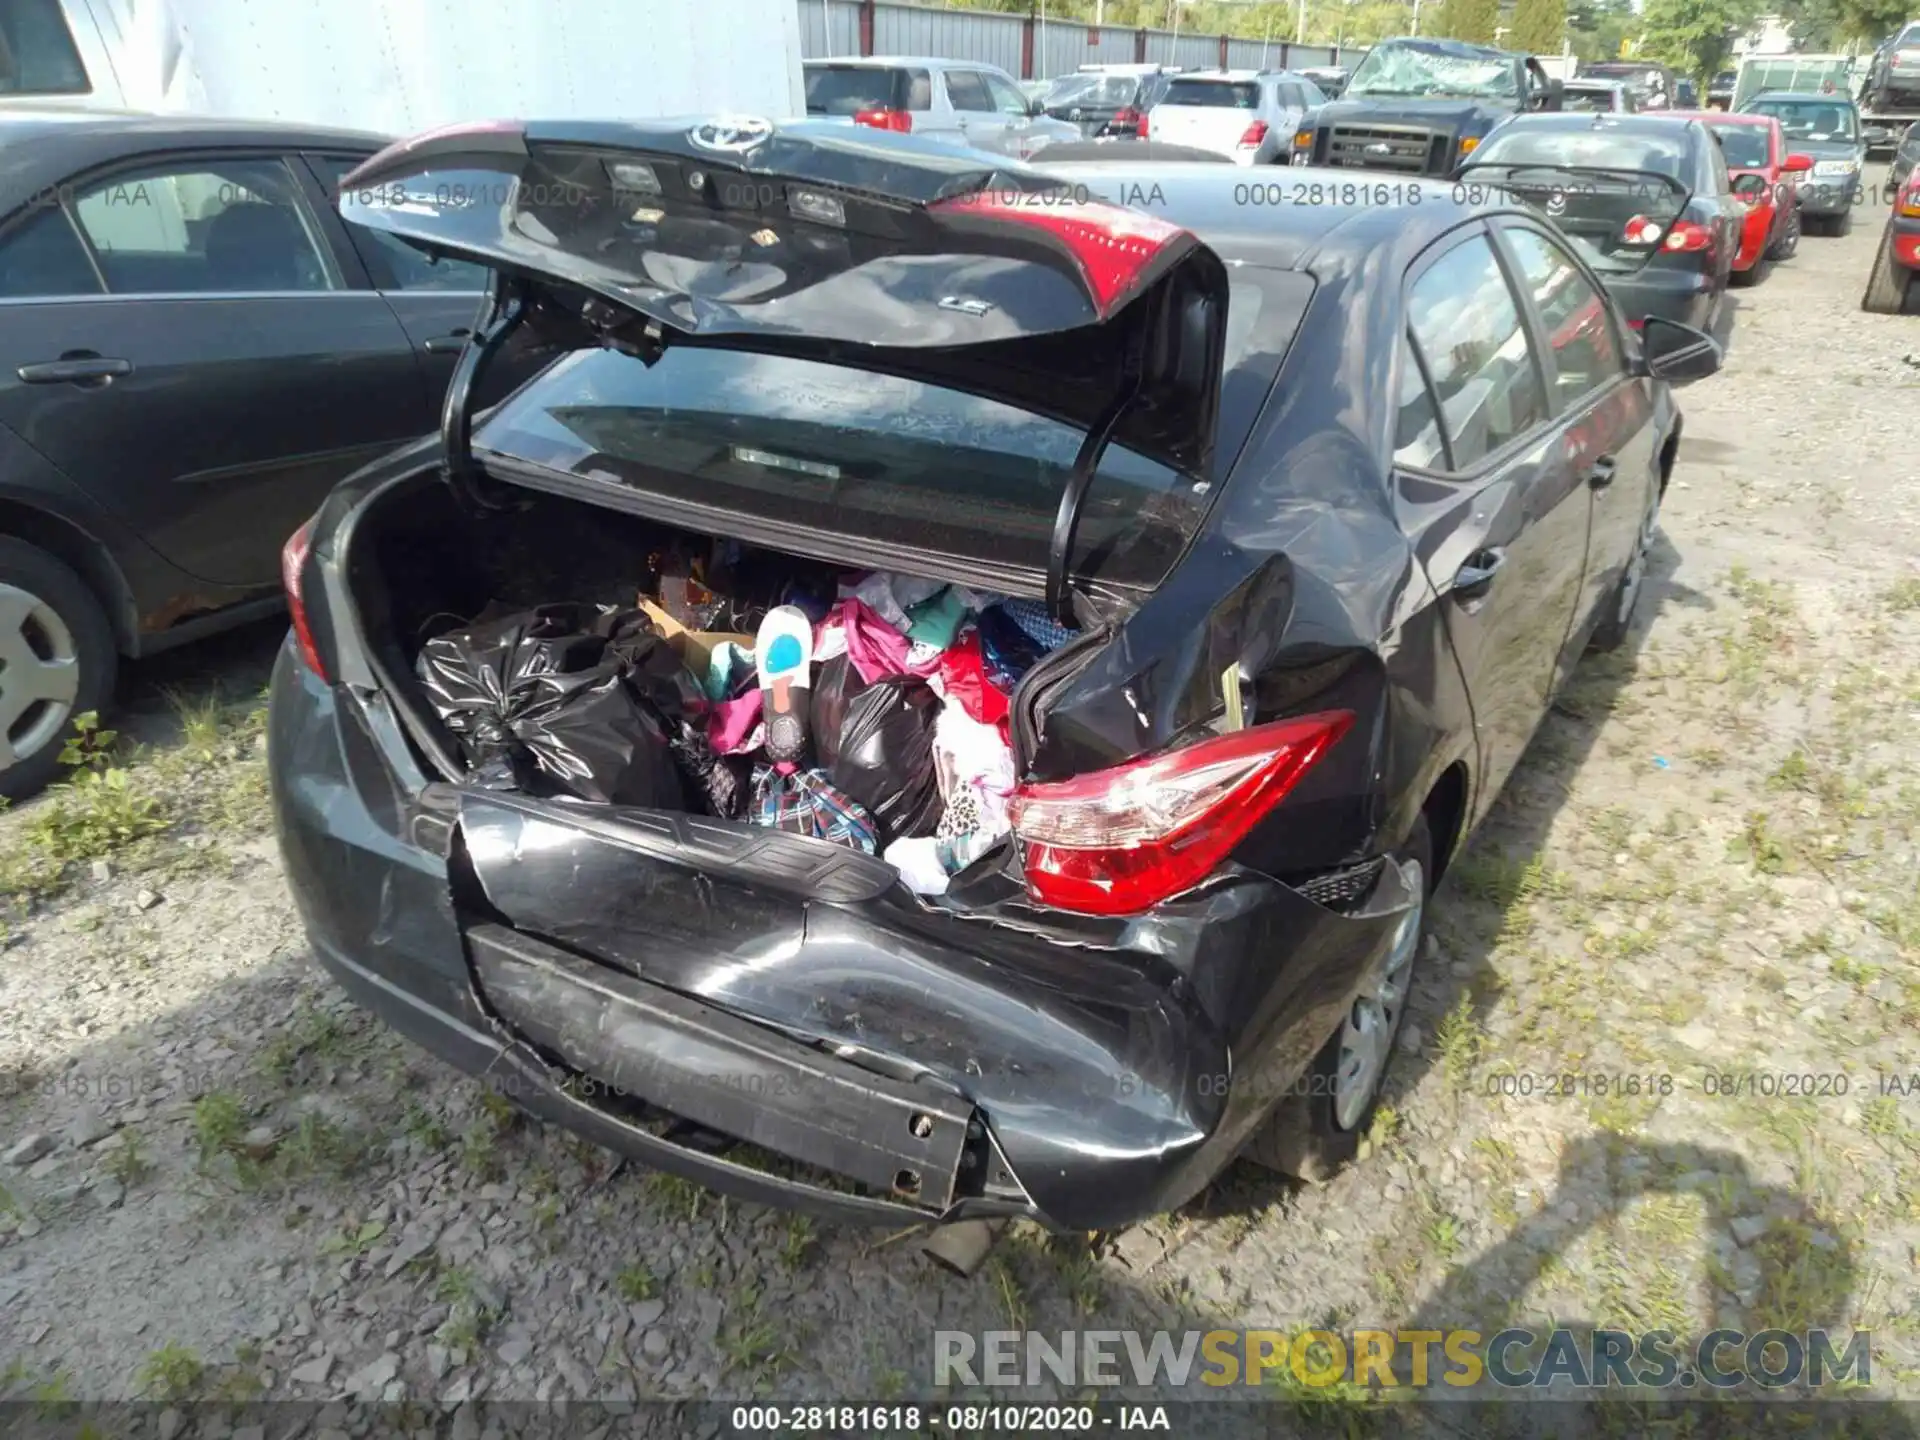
(401,66)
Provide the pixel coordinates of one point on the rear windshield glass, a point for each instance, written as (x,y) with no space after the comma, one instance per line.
(1222,94)
(849,89)
(1608,149)
(1808,119)
(1745,146)
(1588,97)
(881,457)
(1114,90)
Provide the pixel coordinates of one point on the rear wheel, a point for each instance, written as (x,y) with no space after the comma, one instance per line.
(1888,283)
(1753,274)
(1318,1129)
(57,660)
(1789,241)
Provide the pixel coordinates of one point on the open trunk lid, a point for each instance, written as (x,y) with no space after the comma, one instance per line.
(1615,217)
(879,251)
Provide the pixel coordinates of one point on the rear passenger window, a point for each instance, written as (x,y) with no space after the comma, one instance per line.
(1468,327)
(45,257)
(1417,440)
(968,91)
(1586,352)
(221,227)
(392,263)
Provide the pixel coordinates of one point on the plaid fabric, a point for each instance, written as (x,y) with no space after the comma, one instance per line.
(1032,617)
(804,803)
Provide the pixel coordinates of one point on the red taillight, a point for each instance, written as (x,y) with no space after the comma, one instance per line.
(1254,136)
(1112,246)
(1642,231)
(1685,235)
(899,121)
(1129,119)
(1119,841)
(293,561)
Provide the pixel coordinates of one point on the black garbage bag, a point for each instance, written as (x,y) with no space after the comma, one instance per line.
(835,684)
(562,698)
(884,756)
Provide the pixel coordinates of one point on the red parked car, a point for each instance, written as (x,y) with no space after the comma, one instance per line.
(1891,288)
(1765,175)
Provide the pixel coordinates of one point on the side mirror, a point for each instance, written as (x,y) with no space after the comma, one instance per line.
(1750,186)
(1677,353)
(1798,164)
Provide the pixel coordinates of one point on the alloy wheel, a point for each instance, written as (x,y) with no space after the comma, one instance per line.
(39,675)
(1373,1022)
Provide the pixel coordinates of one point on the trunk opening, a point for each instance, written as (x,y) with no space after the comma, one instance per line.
(422,567)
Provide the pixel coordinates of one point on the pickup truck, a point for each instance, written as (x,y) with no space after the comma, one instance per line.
(1418,107)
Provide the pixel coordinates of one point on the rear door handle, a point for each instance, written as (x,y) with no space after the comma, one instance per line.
(1475,578)
(75,368)
(1600,473)
(451,344)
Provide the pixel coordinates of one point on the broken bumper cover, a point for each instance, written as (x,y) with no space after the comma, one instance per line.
(942,1066)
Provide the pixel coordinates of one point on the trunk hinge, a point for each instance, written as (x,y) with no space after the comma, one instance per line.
(1066,520)
(507,302)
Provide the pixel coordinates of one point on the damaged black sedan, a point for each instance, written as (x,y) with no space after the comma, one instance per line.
(952,695)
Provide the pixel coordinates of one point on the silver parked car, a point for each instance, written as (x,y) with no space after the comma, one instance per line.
(958,101)
(1248,115)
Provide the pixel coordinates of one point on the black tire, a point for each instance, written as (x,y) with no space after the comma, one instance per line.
(1789,241)
(68,605)
(1816,224)
(1752,275)
(1842,224)
(1303,1137)
(1888,284)
(1616,624)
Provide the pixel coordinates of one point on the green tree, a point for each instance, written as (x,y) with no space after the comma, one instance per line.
(1470,20)
(1695,37)
(1538,26)
(1597,27)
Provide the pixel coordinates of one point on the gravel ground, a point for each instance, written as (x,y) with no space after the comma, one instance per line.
(220,1179)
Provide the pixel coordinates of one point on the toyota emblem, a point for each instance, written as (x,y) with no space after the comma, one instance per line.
(1073,114)
(1556,203)
(731,134)
(1379,147)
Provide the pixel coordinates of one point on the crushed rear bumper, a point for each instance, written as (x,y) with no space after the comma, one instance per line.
(877,1060)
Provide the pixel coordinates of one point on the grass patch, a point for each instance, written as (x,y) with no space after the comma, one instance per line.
(173,1372)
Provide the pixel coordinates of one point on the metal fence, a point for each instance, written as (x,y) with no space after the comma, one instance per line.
(1033,46)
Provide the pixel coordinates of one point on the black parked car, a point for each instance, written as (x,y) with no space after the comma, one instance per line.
(1330,545)
(1107,102)
(193,350)
(1646,199)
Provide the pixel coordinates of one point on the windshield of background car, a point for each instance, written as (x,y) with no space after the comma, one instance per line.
(1220,94)
(882,457)
(1416,70)
(1745,146)
(1809,119)
(1095,90)
(1596,98)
